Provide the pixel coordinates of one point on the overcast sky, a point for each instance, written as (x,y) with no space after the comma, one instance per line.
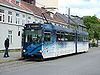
(80,7)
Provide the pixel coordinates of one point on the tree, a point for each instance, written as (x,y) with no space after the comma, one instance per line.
(93,26)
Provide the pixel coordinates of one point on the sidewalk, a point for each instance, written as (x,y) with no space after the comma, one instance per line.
(13,56)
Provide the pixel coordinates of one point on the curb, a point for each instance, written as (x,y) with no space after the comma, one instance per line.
(12,60)
(14,56)
(11,50)
(7,61)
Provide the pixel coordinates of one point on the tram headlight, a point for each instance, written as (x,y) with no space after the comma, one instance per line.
(24,50)
(40,51)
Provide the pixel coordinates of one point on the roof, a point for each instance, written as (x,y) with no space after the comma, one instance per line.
(57,18)
(36,10)
(11,4)
(77,20)
(5,2)
(27,7)
(72,20)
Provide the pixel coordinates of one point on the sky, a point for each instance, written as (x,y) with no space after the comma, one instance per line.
(80,7)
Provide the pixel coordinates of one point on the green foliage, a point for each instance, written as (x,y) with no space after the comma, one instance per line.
(93,26)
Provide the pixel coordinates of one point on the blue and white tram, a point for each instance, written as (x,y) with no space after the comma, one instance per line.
(47,40)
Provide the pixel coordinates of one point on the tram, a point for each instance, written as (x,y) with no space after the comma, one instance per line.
(48,40)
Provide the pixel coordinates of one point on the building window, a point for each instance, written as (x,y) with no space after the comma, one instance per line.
(1,15)
(9,17)
(17,18)
(10,36)
(23,20)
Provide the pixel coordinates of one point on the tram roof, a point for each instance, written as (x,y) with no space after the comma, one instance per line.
(82,32)
(51,27)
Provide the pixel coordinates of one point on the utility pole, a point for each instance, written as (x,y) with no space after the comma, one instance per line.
(76,35)
(68,15)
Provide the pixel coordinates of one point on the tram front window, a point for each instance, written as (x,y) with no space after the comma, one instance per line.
(33,36)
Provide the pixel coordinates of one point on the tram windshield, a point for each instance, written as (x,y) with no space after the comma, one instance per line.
(33,36)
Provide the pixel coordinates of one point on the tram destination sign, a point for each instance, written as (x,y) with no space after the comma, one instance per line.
(33,26)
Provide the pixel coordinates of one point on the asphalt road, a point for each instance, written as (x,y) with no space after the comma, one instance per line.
(80,64)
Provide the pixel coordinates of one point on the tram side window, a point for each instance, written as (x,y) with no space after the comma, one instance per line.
(80,38)
(69,37)
(85,38)
(72,37)
(47,36)
(66,36)
(60,36)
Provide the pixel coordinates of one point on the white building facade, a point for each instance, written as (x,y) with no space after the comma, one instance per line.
(12,21)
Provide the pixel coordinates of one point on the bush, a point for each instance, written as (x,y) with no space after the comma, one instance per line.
(94,45)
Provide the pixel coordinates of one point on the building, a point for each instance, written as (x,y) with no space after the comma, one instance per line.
(47,3)
(12,20)
(14,14)
(50,5)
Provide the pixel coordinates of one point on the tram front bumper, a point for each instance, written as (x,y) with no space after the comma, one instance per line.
(27,56)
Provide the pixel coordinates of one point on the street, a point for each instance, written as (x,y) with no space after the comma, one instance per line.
(80,64)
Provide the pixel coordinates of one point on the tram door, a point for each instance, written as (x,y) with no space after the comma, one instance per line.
(48,46)
(60,43)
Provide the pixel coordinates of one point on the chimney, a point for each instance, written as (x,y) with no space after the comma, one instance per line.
(14,1)
(30,1)
(17,1)
(33,2)
(51,14)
